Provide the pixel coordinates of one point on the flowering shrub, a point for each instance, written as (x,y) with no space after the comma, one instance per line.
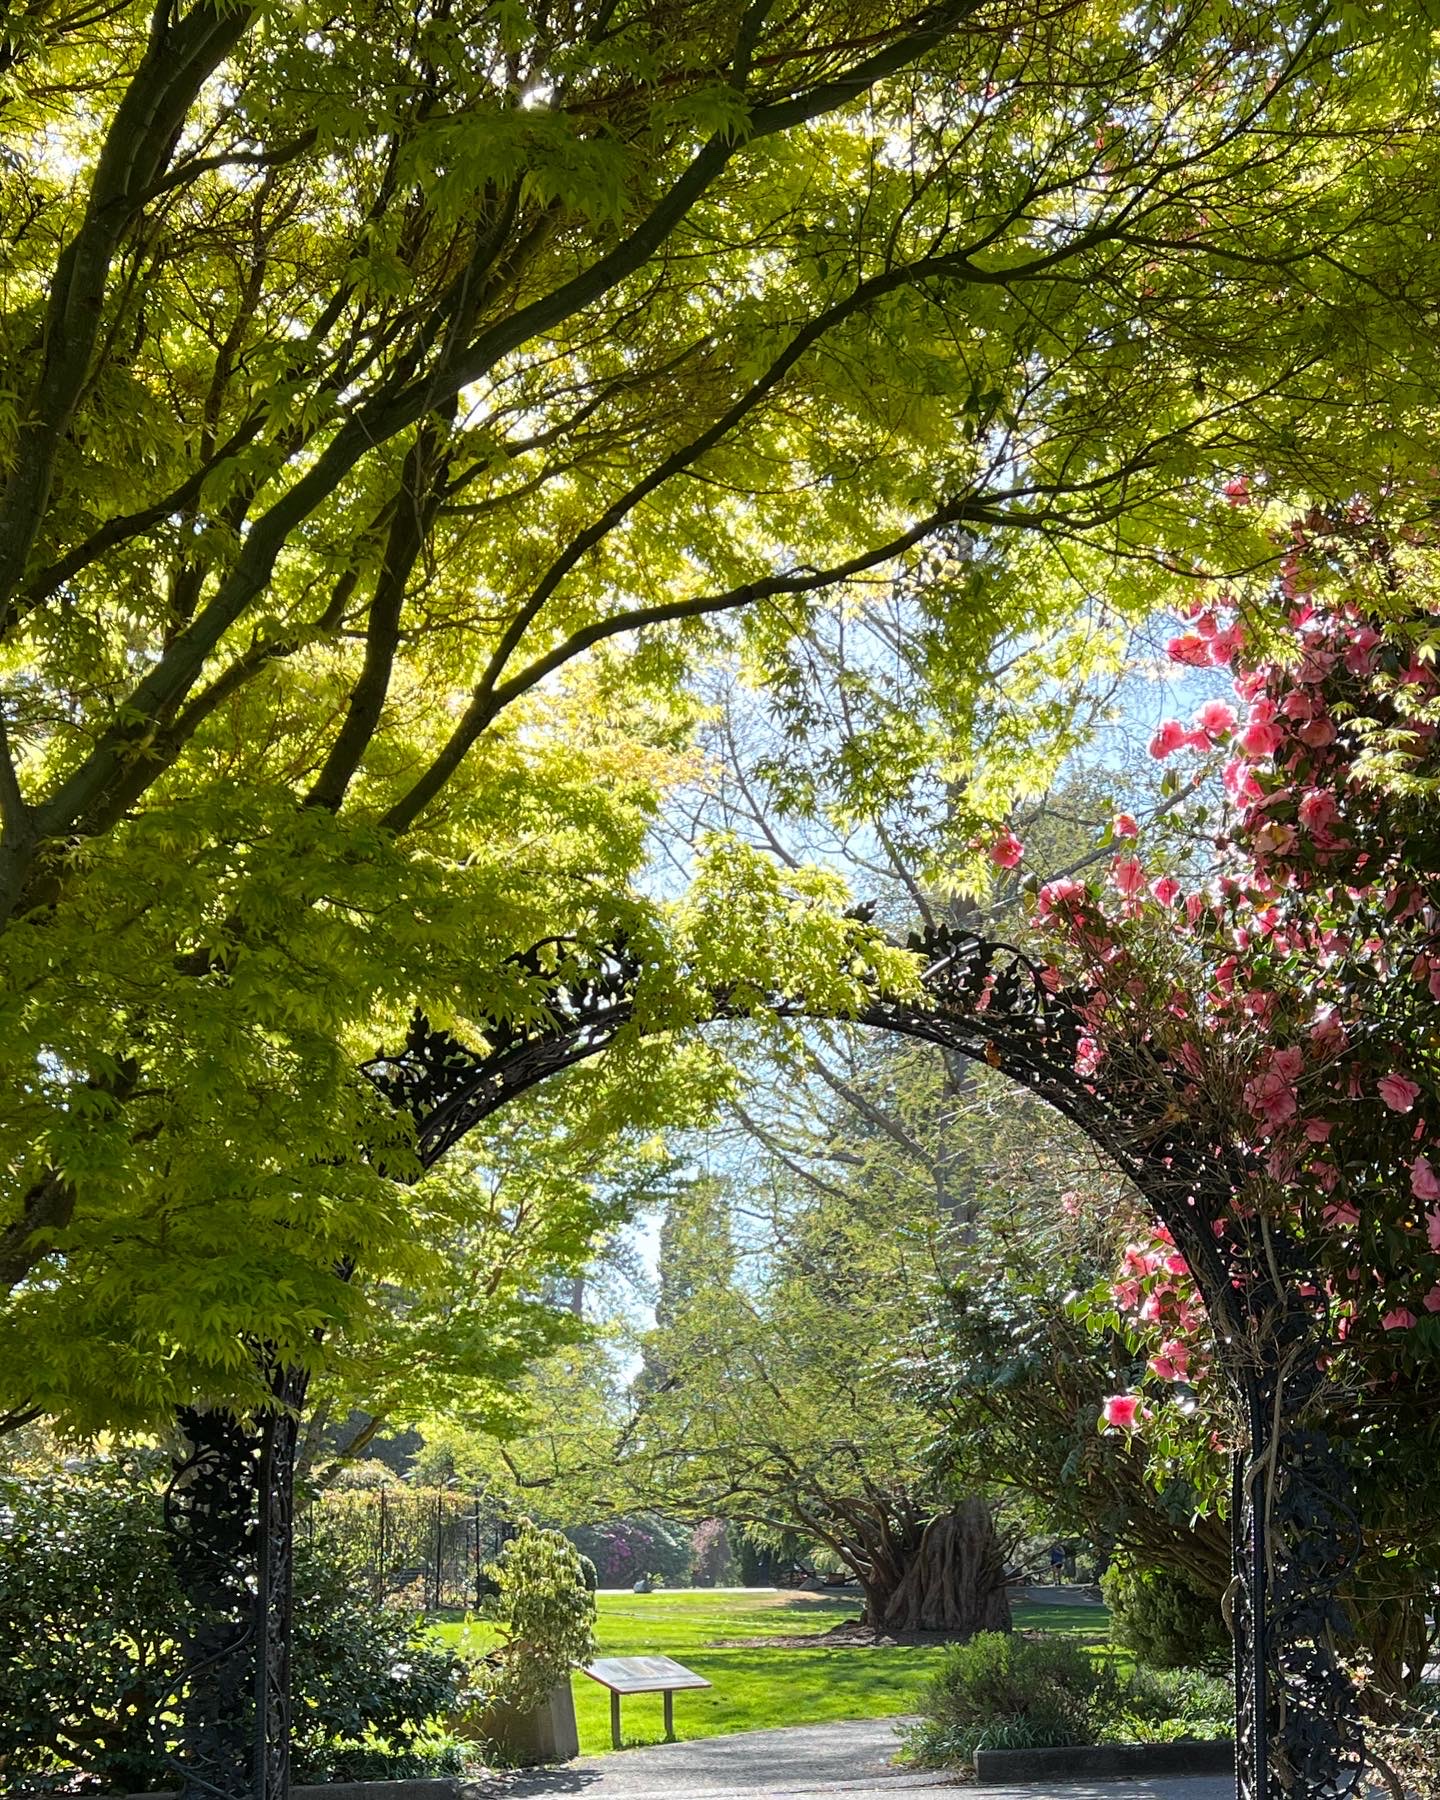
(623,1549)
(1283,1007)
(1291,1000)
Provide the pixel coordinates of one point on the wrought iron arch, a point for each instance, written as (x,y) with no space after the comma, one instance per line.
(1295,1529)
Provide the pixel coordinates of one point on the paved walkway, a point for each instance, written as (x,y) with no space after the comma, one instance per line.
(849,1759)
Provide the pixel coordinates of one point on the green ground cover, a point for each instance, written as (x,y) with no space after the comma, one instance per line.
(755,1686)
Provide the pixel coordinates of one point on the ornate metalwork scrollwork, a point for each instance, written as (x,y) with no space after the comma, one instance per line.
(1294,1522)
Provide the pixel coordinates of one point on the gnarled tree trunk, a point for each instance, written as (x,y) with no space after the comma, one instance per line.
(944,1574)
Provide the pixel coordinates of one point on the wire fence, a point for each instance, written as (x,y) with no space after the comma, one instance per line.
(420,1549)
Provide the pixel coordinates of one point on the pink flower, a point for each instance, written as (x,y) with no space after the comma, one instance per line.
(1318,1130)
(1121,1412)
(1398,1092)
(1399,1319)
(1128,875)
(1007,850)
(1237,492)
(1225,646)
(1087,1056)
(1216,717)
(1328,1036)
(1424,1182)
(1318,810)
(1289,1063)
(1315,734)
(1070,1204)
(1341,1213)
(1166,890)
(1432,1229)
(1275,837)
(1123,826)
(1171,736)
(1432,1299)
(1271,1097)
(1260,740)
(1058,895)
(1190,648)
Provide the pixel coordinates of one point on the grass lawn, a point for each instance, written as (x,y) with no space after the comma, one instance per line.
(756,1687)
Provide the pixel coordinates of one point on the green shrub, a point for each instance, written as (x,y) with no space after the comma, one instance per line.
(1000,1692)
(1168,1708)
(88,1604)
(365,1684)
(546,1611)
(89,1615)
(1166,1619)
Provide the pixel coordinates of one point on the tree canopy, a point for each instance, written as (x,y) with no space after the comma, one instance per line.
(395,406)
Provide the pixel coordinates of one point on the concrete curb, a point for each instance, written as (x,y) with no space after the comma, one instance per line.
(427,1787)
(1104,1762)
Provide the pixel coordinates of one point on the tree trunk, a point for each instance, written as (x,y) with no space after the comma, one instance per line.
(947,1576)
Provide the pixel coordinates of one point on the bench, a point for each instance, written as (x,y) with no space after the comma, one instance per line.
(643,1675)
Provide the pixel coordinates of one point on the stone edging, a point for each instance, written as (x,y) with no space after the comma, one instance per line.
(1100,1762)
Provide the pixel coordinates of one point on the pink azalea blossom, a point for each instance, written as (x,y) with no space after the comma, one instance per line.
(1318,810)
(1432,1229)
(1190,648)
(1275,837)
(1237,492)
(1128,875)
(1398,1092)
(1190,1059)
(1341,1213)
(1328,1036)
(1166,890)
(1260,740)
(1400,1318)
(1121,1412)
(1315,734)
(1216,717)
(1432,1299)
(1007,850)
(1124,826)
(1318,1130)
(1271,1098)
(1087,1056)
(1170,737)
(1225,646)
(1057,894)
(1424,1182)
